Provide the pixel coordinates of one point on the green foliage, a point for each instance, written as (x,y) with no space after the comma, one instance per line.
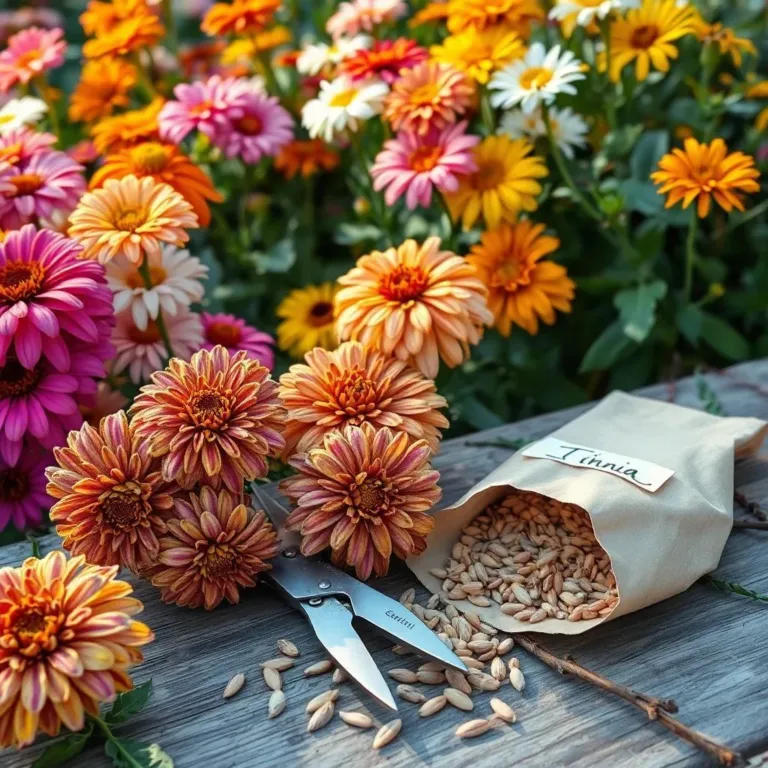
(129,703)
(64,749)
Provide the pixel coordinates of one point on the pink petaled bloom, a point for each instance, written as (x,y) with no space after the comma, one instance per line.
(234,334)
(21,143)
(412,165)
(47,291)
(46,186)
(142,353)
(263,128)
(208,107)
(385,59)
(30,53)
(357,16)
(84,152)
(22,489)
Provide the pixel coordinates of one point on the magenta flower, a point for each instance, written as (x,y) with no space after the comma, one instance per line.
(234,334)
(47,185)
(263,129)
(22,489)
(21,143)
(46,291)
(412,165)
(208,107)
(30,53)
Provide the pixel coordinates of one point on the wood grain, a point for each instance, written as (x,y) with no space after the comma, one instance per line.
(702,648)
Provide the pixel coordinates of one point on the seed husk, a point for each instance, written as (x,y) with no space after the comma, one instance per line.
(473,728)
(280,664)
(498,669)
(428,677)
(458,681)
(403,676)
(276,704)
(502,710)
(517,679)
(505,646)
(287,648)
(321,717)
(356,719)
(339,676)
(432,706)
(272,679)
(234,685)
(320,668)
(387,733)
(411,694)
(458,699)
(322,698)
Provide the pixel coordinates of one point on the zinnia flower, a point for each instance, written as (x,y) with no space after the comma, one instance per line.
(569,129)
(22,489)
(536,79)
(104,402)
(67,641)
(411,165)
(704,172)
(384,60)
(17,113)
(515,15)
(175,276)
(30,53)
(431,12)
(113,133)
(365,494)
(216,545)
(416,302)
(214,420)
(111,496)
(523,288)
(306,157)
(135,27)
(132,217)
(142,352)
(431,95)
(316,57)
(21,143)
(363,16)
(46,291)
(235,335)
(167,164)
(104,85)
(724,38)
(505,183)
(239,16)
(352,385)
(582,13)
(307,320)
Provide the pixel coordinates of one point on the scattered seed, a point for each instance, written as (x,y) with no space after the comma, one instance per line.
(432,706)
(321,717)
(320,668)
(430,678)
(458,681)
(498,669)
(409,693)
(408,596)
(234,685)
(403,676)
(505,646)
(323,698)
(272,679)
(356,719)
(458,699)
(517,679)
(287,648)
(279,664)
(473,728)
(502,710)
(339,676)
(276,704)
(387,733)
(432,666)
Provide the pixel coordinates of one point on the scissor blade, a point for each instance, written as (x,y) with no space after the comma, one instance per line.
(332,624)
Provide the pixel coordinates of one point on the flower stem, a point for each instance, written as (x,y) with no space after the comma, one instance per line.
(610,106)
(41,88)
(146,275)
(127,757)
(690,255)
(170,26)
(273,86)
(453,237)
(486,111)
(145,81)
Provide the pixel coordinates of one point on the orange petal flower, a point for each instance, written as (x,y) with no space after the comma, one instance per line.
(113,133)
(515,15)
(522,287)
(213,420)
(120,28)
(365,494)
(704,172)
(416,302)
(239,16)
(306,157)
(165,163)
(67,641)
(104,85)
(215,545)
(111,495)
(355,384)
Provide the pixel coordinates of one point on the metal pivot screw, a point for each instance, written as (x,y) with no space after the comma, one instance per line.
(324,584)
(290,552)
(315,601)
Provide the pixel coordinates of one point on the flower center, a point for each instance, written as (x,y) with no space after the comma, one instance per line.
(12,153)
(321,314)
(209,408)
(343,98)
(644,36)
(123,507)
(510,275)
(249,125)
(403,283)
(535,78)
(424,159)
(489,175)
(16,381)
(355,394)
(14,485)
(220,562)
(370,498)
(26,184)
(26,58)
(32,625)
(20,280)
(156,272)
(198,110)
(226,334)
(425,94)
(130,219)
(4,119)
(150,158)
(150,336)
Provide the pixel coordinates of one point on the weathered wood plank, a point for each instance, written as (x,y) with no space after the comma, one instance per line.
(702,648)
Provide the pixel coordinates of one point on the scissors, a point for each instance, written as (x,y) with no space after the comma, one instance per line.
(330,599)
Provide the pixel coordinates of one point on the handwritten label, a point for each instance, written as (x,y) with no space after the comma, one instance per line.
(643,474)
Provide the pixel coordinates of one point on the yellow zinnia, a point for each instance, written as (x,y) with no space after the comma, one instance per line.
(308,320)
(516,15)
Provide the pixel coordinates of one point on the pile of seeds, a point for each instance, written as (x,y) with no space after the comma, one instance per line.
(536,558)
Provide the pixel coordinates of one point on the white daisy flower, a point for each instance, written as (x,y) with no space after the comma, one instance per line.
(569,129)
(19,112)
(316,56)
(587,11)
(536,78)
(176,283)
(342,104)
(517,125)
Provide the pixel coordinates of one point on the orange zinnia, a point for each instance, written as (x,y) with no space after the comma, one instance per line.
(522,287)
(113,133)
(306,157)
(416,302)
(165,163)
(702,172)
(239,16)
(515,15)
(119,28)
(104,84)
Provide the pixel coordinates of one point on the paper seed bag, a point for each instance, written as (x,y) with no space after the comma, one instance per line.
(656,480)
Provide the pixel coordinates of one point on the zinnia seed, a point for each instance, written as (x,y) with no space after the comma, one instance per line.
(287,648)
(503,710)
(320,668)
(432,706)
(409,693)
(473,728)
(387,733)
(458,699)
(356,719)
(517,679)
(339,676)
(323,698)
(498,669)
(234,685)
(280,664)
(321,717)
(458,681)
(403,676)
(276,704)
(430,678)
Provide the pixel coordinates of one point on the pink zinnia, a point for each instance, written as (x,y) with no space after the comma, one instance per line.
(46,186)
(30,53)
(22,489)
(412,165)
(234,334)
(21,143)
(357,16)
(263,128)
(208,107)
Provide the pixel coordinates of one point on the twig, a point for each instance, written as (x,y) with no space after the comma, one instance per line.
(674,372)
(752,507)
(736,589)
(754,525)
(655,709)
(511,445)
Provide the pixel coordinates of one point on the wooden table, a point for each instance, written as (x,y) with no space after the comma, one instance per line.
(704,648)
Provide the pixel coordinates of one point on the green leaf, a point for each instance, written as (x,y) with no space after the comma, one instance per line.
(64,749)
(637,308)
(478,415)
(354,234)
(689,323)
(723,337)
(649,149)
(709,400)
(278,259)
(641,196)
(129,703)
(607,348)
(736,589)
(126,753)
